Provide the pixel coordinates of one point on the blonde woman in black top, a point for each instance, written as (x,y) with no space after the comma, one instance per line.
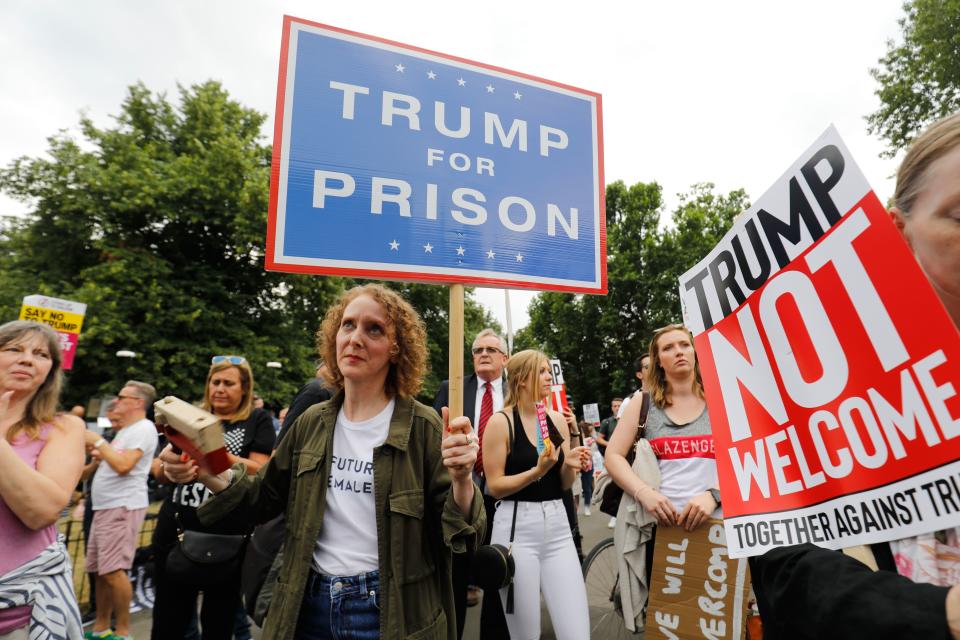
(530,485)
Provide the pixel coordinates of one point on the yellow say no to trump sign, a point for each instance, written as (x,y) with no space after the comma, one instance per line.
(65,316)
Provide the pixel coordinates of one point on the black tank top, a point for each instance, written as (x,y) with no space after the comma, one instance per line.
(522,457)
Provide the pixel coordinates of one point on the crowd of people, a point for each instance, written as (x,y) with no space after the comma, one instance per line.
(386,499)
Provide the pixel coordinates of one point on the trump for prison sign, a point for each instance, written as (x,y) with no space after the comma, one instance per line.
(391,161)
(830,367)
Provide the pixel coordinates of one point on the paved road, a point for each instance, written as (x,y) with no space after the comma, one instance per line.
(594,529)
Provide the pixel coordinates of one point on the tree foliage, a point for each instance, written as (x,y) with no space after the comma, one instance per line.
(919,77)
(158,224)
(598,338)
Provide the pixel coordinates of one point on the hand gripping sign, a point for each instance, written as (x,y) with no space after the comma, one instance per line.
(830,366)
(395,162)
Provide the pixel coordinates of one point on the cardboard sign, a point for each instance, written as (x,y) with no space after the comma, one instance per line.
(830,366)
(696,590)
(65,316)
(591,413)
(394,162)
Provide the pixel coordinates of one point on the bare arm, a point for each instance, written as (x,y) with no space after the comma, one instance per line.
(122,462)
(572,457)
(601,438)
(37,496)
(89,469)
(616,463)
(495,445)
(459,457)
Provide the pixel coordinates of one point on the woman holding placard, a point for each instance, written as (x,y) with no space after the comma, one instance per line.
(377,494)
(249,436)
(688,494)
(808,592)
(528,465)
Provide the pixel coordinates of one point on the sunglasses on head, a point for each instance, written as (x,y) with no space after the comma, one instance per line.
(230,359)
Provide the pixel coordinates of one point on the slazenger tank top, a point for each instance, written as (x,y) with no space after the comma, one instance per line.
(688,465)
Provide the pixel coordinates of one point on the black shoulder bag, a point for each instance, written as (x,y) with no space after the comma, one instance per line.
(203,559)
(610,502)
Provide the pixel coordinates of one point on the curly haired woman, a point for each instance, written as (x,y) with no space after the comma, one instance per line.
(376,495)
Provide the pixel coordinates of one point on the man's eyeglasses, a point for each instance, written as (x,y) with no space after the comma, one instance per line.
(123,397)
(488,350)
(230,359)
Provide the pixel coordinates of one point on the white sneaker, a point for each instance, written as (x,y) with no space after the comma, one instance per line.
(612,523)
(586,511)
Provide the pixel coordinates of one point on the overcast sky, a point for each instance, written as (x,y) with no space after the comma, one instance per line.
(724,92)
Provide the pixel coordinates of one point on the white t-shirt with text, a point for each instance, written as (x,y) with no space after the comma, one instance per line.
(347,544)
(111,490)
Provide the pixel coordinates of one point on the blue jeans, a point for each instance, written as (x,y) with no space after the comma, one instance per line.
(340,608)
(586,481)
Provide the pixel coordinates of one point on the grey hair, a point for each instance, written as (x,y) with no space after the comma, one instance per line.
(490,332)
(144,391)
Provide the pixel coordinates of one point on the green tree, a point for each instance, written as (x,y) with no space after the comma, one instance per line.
(919,77)
(158,224)
(598,338)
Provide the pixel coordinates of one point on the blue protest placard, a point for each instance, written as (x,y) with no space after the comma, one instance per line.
(395,162)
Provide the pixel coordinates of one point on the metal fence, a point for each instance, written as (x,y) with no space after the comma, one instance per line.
(72,531)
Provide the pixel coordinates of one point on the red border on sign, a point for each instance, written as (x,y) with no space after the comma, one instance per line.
(413,276)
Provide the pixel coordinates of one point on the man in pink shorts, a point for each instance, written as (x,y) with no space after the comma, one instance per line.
(120,501)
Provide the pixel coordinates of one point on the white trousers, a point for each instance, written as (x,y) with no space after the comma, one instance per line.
(546,561)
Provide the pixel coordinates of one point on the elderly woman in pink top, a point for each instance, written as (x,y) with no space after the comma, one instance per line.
(41,457)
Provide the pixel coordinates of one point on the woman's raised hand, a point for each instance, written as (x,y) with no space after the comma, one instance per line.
(571,418)
(459,447)
(548,458)
(579,458)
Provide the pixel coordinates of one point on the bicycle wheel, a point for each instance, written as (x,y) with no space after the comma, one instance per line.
(601,577)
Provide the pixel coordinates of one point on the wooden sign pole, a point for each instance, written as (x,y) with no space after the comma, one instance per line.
(455,371)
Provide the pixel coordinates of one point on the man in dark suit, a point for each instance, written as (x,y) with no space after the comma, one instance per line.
(483,394)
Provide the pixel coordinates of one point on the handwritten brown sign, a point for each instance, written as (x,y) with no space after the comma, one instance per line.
(696,589)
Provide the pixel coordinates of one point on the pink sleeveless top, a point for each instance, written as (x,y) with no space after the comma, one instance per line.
(18,542)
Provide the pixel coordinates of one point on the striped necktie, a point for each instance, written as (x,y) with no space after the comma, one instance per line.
(486,410)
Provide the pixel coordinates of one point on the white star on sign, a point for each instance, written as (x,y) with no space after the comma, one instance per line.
(519,257)
(461,81)
(490,254)
(428,248)
(461,251)
(394,246)
(431,75)
(517,95)
(399,67)
(489,88)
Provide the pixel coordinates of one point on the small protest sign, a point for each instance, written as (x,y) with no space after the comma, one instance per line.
(830,367)
(558,390)
(65,316)
(394,162)
(591,413)
(696,589)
